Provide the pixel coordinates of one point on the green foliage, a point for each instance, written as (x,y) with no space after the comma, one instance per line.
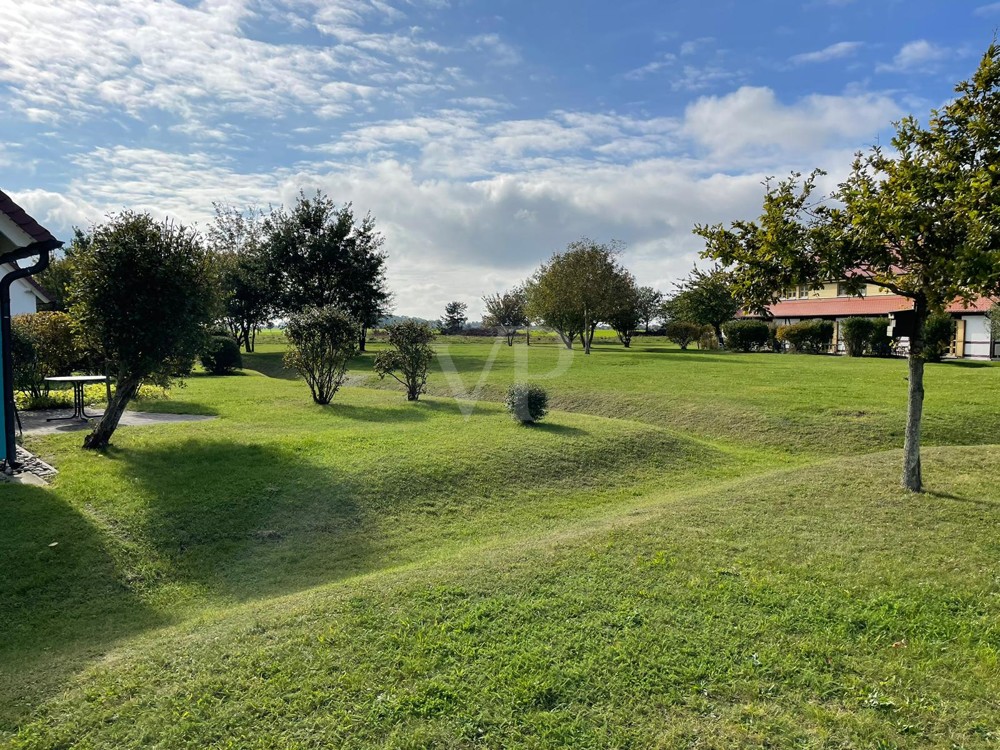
(808,336)
(322,342)
(745,335)
(862,336)
(221,355)
(27,373)
(706,297)
(683,332)
(576,289)
(57,277)
(773,342)
(454,319)
(45,346)
(507,312)
(526,403)
(239,241)
(938,333)
(410,357)
(142,294)
(322,255)
(649,303)
(625,311)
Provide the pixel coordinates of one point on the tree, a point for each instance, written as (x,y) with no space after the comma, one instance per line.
(649,303)
(321,255)
(683,332)
(323,341)
(705,297)
(923,223)
(410,356)
(507,311)
(454,318)
(575,290)
(55,278)
(250,299)
(625,313)
(142,294)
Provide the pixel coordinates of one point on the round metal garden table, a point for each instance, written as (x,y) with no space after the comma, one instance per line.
(78,382)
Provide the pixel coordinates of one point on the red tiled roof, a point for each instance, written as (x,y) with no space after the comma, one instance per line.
(29,226)
(880,304)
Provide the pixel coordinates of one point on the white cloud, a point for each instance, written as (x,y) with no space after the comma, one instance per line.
(139,56)
(917,56)
(833,52)
(988,10)
(751,122)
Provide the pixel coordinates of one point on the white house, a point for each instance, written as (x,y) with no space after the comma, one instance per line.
(26,296)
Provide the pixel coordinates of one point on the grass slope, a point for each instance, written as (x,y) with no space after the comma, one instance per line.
(671,559)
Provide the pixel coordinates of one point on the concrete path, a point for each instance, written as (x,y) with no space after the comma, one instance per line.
(33,422)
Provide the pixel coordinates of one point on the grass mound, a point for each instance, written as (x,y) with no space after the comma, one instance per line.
(797,611)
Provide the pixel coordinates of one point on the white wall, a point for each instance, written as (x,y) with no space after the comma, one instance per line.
(977,336)
(22,298)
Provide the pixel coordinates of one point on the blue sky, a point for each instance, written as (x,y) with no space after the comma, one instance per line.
(483,136)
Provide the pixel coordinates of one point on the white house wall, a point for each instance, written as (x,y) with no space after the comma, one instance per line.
(22,298)
(977,336)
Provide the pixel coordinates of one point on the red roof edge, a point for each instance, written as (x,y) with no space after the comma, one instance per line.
(29,226)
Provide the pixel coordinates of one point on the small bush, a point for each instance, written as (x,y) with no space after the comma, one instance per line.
(221,355)
(683,333)
(808,336)
(44,346)
(409,358)
(708,340)
(939,330)
(527,403)
(859,333)
(322,342)
(745,335)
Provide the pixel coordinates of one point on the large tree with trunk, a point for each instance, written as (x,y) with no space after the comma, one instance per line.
(142,295)
(922,221)
(576,290)
(321,254)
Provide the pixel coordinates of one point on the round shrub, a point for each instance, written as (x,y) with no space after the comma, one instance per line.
(221,355)
(683,332)
(808,336)
(858,334)
(745,335)
(526,403)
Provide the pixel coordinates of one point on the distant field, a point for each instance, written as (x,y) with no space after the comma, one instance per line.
(695,549)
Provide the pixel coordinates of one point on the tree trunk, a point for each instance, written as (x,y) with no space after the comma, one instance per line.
(361,341)
(567,340)
(912,479)
(718,335)
(99,438)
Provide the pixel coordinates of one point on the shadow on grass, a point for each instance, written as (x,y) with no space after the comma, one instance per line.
(379,414)
(248,520)
(970,363)
(63,597)
(270,364)
(555,429)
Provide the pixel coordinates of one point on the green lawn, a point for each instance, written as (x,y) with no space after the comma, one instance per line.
(696,549)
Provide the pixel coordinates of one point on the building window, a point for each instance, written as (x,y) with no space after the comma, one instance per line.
(843,290)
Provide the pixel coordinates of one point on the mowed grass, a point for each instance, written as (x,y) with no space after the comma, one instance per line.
(684,554)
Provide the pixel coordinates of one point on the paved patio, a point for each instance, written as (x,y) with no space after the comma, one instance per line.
(34,423)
